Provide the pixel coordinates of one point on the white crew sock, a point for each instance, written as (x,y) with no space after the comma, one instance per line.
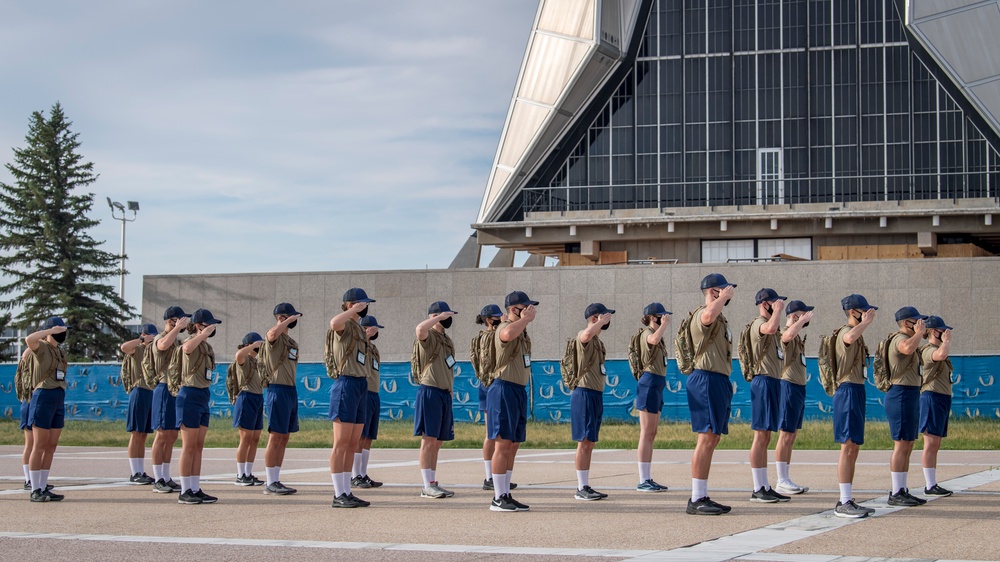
(488,465)
(699,488)
(335,478)
(241,469)
(35,476)
(185,484)
(930,475)
(582,479)
(165,471)
(135,466)
(782,471)
(845,492)
(356,467)
(509,474)
(272,474)
(898,481)
(434,475)
(27,472)
(365,454)
(45,478)
(158,471)
(195,483)
(345,479)
(644,470)
(759,478)
(498,485)
(427,475)
(249,468)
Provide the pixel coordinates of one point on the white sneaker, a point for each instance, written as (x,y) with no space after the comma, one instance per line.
(790,488)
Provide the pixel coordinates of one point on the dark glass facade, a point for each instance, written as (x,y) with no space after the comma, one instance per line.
(749,102)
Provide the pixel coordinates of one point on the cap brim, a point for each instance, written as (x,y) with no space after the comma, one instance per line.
(803,309)
(666,312)
(870,307)
(365,300)
(609,311)
(533,303)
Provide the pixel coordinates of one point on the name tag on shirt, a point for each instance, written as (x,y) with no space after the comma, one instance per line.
(666,361)
(208,374)
(60,375)
(604,370)
(361,358)
(781,354)
(449,361)
(729,334)
(293,354)
(527,360)
(802,358)
(375,364)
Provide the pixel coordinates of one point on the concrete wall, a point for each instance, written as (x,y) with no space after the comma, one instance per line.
(965,291)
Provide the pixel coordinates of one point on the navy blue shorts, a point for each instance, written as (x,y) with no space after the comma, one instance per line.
(506,411)
(192,406)
(47,409)
(765,403)
(348,400)
(849,413)
(164,409)
(373,410)
(934,411)
(432,415)
(710,399)
(482,397)
(586,407)
(902,409)
(248,411)
(649,393)
(140,406)
(24,415)
(282,403)
(793,406)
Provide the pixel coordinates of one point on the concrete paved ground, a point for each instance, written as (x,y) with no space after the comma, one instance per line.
(103,516)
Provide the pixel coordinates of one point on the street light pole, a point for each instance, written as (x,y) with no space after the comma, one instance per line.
(116,206)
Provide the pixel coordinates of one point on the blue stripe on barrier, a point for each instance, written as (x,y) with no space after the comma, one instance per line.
(94,392)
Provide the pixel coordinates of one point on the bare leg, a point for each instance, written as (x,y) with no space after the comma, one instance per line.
(648,424)
(701,460)
(783,450)
(848,459)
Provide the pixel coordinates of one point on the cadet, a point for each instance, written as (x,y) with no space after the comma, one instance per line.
(793,392)
(587,400)
(490,317)
(25,425)
(433,419)
(709,391)
(649,390)
(248,409)
(140,402)
(373,408)
(193,397)
(47,409)
(935,398)
(849,398)
(279,355)
(902,401)
(155,365)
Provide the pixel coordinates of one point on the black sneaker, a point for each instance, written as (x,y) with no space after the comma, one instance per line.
(724,508)
(343,500)
(767,496)
(244,480)
(513,486)
(520,506)
(141,478)
(938,491)
(503,504)
(359,501)
(174,486)
(256,481)
(588,494)
(39,496)
(370,483)
(487,484)
(279,489)
(27,485)
(704,506)
(356,482)
(54,497)
(205,498)
(902,499)
(188,497)
(920,501)
(161,487)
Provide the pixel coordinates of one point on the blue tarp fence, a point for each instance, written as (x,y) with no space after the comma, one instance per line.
(95,393)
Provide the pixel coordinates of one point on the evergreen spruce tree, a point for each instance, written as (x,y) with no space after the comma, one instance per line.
(53,265)
(5,347)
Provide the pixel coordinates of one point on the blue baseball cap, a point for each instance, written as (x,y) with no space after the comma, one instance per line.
(936,323)
(715,280)
(52,322)
(908,313)
(856,302)
(768,295)
(518,298)
(654,309)
(596,308)
(370,321)
(286,309)
(439,307)
(202,316)
(797,306)
(149,330)
(175,312)
(251,338)
(491,310)
(357,295)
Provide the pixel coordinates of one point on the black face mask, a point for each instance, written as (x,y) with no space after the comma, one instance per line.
(857,318)
(727,302)
(60,337)
(446,323)
(606,326)
(373,338)
(767,308)
(293,324)
(212,335)
(806,324)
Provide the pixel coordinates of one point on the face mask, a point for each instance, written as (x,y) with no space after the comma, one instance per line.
(727,302)
(446,323)
(361,314)
(60,337)
(212,335)
(373,338)
(293,324)
(806,324)
(768,308)
(606,326)
(857,318)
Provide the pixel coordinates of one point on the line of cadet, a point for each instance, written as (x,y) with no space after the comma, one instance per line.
(168,373)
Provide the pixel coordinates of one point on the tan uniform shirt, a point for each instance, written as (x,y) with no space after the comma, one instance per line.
(718,353)
(135,358)
(937,374)
(766,349)
(350,349)
(161,357)
(653,357)
(247,376)
(440,372)
(851,360)
(513,357)
(592,367)
(50,366)
(904,370)
(283,359)
(198,366)
(794,364)
(374,365)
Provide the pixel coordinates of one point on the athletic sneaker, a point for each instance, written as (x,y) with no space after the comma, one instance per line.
(356,482)
(447,493)
(27,486)
(279,489)
(244,480)
(141,478)
(205,498)
(256,481)
(54,497)
(852,510)
(791,488)
(359,501)
(903,499)
(650,486)
(161,487)
(39,496)
(936,490)
(370,483)
(767,496)
(504,504)
(433,492)
(704,506)
(520,506)
(188,497)
(174,486)
(488,485)
(920,501)
(589,494)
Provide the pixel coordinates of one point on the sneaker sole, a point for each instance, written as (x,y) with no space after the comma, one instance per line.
(696,512)
(185,502)
(849,516)
(587,499)
(282,493)
(502,510)
(648,490)
(159,491)
(792,491)
(432,497)
(762,500)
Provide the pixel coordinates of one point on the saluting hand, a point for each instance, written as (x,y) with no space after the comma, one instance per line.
(778,306)
(946,336)
(867,317)
(919,327)
(57,330)
(807,316)
(604,319)
(183,322)
(528,313)
(443,315)
(357,307)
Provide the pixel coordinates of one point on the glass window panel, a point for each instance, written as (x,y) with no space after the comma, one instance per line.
(819,23)
(845,22)
(694,27)
(794,20)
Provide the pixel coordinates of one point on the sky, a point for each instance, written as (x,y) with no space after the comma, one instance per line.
(318,135)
